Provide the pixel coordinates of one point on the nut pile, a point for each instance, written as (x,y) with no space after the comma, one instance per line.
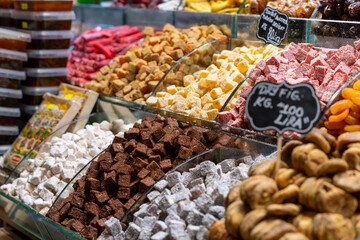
(185,205)
(134,75)
(326,69)
(205,92)
(314,194)
(128,167)
(44,177)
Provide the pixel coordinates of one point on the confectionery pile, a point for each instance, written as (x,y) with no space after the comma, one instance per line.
(327,70)
(96,48)
(184,205)
(311,194)
(134,75)
(129,166)
(44,177)
(205,92)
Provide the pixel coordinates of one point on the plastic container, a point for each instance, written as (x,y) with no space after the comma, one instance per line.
(11,78)
(33,95)
(11,93)
(27,110)
(13,60)
(5,18)
(41,5)
(12,40)
(8,116)
(50,39)
(8,102)
(44,77)
(47,58)
(8,134)
(29,20)
(7,4)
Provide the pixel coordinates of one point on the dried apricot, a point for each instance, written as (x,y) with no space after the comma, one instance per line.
(339,117)
(356,100)
(355,114)
(352,128)
(351,120)
(334,125)
(355,108)
(356,85)
(341,106)
(349,93)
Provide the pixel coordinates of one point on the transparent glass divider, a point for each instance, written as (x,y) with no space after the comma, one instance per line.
(95,14)
(148,17)
(185,19)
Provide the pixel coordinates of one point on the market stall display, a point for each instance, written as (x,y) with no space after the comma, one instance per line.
(134,75)
(204,93)
(327,70)
(42,179)
(129,166)
(96,48)
(311,196)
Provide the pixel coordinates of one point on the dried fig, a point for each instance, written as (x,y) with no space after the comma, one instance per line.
(284,177)
(218,232)
(294,236)
(319,140)
(233,195)
(234,215)
(271,229)
(356,223)
(257,191)
(287,150)
(332,166)
(347,138)
(265,168)
(299,155)
(314,159)
(282,210)
(331,199)
(348,181)
(303,222)
(332,226)
(352,157)
(250,221)
(288,194)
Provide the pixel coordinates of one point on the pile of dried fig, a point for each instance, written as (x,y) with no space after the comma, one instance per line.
(313,194)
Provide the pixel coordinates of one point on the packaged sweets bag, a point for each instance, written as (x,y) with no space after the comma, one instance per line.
(53,112)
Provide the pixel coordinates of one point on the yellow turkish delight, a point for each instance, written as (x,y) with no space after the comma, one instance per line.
(171,89)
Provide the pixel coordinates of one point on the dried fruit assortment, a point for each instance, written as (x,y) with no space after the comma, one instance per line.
(293,8)
(129,166)
(327,70)
(205,92)
(312,196)
(134,75)
(224,6)
(95,49)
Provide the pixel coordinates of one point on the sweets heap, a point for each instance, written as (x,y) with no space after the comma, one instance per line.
(224,6)
(327,70)
(95,49)
(184,205)
(345,113)
(314,195)
(293,8)
(134,75)
(44,177)
(205,92)
(340,10)
(130,165)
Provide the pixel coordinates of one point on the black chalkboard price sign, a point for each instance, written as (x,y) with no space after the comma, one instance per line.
(283,107)
(272,26)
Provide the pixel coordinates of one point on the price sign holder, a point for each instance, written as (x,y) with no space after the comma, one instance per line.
(282,107)
(272,26)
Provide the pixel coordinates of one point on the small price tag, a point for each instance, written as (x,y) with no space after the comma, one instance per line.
(24,6)
(50,106)
(24,24)
(69,96)
(282,107)
(272,26)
